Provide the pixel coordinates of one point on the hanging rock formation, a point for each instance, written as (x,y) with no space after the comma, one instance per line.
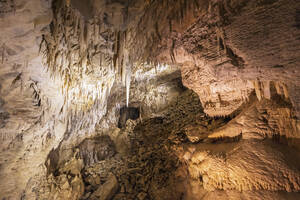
(214,88)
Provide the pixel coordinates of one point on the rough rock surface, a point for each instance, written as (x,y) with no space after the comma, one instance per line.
(107,190)
(96,149)
(263,119)
(67,67)
(233,171)
(236,47)
(161,163)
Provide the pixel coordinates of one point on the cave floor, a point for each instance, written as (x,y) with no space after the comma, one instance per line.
(150,168)
(154,160)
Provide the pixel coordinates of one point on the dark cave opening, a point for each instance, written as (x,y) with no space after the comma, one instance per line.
(128,113)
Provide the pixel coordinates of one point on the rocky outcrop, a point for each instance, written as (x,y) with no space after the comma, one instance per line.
(107,190)
(163,161)
(236,47)
(96,149)
(27,128)
(262,119)
(235,171)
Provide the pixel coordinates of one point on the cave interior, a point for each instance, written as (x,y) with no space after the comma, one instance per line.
(149,99)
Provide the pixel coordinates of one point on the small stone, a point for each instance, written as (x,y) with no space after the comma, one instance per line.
(141,196)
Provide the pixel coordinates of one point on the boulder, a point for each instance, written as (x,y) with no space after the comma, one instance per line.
(107,190)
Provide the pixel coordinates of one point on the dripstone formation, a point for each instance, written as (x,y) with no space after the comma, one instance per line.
(149,99)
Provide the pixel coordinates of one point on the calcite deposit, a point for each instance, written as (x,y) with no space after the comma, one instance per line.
(149,99)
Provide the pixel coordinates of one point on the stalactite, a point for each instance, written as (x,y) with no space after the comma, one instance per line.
(257,89)
(221,39)
(266,87)
(71,51)
(172,55)
(82,38)
(128,81)
(88,32)
(278,88)
(285,91)
(123,74)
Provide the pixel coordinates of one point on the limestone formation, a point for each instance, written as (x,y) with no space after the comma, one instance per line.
(149,99)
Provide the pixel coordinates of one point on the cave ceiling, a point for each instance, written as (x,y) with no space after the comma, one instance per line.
(68,66)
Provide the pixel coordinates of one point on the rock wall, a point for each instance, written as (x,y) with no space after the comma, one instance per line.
(233,171)
(67,68)
(233,45)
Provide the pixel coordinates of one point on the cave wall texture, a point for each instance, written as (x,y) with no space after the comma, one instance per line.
(68,66)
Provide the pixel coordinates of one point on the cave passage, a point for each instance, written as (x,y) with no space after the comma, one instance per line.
(149,99)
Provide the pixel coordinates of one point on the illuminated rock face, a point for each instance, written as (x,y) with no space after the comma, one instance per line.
(228,53)
(80,54)
(219,98)
(67,67)
(237,173)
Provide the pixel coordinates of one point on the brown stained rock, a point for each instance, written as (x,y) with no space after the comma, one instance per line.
(226,50)
(65,187)
(77,187)
(93,180)
(96,149)
(218,97)
(234,45)
(107,190)
(141,196)
(152,168)
(262,119)
(237,171)
(74,166)
(196,133)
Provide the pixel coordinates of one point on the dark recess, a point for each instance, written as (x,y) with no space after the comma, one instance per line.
(128,113)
